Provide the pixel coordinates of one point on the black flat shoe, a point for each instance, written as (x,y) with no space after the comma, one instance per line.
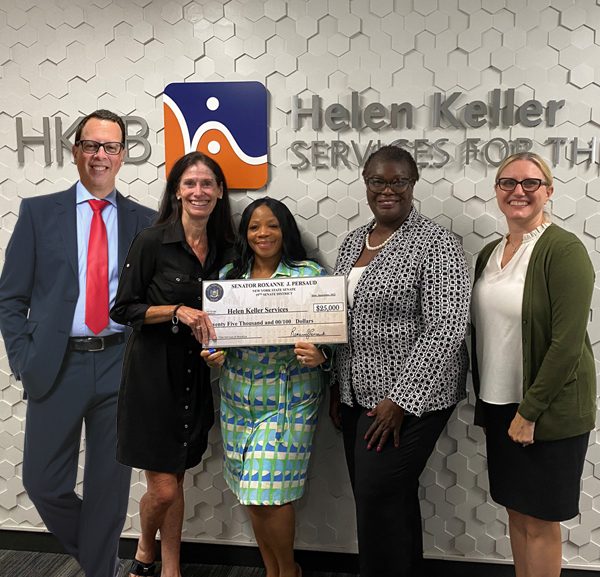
(142,569)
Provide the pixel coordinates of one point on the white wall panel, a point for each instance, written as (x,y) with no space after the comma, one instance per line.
(63,59)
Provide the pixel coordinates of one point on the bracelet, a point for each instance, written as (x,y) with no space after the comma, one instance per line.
(175,319)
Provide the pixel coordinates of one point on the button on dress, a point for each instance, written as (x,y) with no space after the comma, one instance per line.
(165,401)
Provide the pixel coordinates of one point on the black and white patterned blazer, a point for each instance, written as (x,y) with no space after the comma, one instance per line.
(407,326)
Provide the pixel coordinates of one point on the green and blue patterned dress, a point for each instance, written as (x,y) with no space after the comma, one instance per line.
(269,409)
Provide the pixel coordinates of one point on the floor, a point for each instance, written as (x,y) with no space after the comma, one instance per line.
(28,564)
(36,564)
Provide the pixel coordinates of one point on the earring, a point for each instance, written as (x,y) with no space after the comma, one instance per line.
(178,197)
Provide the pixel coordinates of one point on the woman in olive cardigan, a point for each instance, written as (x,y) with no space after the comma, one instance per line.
(533,365)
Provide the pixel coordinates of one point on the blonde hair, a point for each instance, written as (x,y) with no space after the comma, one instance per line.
(531,157)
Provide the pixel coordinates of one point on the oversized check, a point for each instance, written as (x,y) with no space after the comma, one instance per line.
(278,311)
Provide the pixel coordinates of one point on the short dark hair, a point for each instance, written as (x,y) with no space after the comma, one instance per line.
(101,114)
(220,226)
(393,153)
(293,250)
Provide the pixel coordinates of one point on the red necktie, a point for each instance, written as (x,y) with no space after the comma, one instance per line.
(96,288)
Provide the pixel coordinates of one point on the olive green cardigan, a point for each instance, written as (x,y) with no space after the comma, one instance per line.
(559,375)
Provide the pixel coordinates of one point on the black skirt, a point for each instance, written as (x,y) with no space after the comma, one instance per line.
(540,480)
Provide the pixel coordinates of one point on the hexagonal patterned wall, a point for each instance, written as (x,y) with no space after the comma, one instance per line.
(61,59)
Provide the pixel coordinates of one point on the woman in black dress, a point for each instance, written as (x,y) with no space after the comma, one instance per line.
(165,402)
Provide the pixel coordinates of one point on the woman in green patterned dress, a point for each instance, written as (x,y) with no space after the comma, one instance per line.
(270,395)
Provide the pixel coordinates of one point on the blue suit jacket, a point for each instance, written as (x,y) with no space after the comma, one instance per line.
(39,285)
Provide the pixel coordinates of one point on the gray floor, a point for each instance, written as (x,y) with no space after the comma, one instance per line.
(28,564)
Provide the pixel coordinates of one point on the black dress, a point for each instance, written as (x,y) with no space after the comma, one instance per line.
(165,401)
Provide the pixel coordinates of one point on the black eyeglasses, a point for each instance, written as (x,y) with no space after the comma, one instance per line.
(528,184)
(91,146)
(376,184)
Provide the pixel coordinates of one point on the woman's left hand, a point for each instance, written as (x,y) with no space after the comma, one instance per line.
(308,355)
(214,358)
(521,430)
(388,421)
(199,322)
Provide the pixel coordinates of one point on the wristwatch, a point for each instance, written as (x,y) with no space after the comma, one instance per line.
(327,352)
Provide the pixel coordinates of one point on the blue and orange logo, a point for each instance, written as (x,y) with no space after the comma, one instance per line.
(224,120)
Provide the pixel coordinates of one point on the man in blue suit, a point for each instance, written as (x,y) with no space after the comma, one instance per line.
(66,351)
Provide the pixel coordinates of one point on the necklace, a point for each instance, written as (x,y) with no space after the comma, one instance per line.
(513,246)
(378,246)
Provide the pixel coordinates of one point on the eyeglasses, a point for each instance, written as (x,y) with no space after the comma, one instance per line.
(91,146)
(528,184)
(377,185)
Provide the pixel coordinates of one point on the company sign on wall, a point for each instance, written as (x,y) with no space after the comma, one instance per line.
(229,121)
(225,120)
(446,112)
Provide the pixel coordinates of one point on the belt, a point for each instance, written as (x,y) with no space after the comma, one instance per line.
(95,344)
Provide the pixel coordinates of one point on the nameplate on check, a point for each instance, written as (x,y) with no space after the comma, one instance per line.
(278,311)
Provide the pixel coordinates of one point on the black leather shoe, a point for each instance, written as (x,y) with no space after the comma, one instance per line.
(140,569)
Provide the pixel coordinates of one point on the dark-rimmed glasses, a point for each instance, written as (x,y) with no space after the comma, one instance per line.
(527,184)
(377,185)
(92,147)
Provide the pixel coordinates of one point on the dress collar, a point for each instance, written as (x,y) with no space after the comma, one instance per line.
(174,232)
(281,270)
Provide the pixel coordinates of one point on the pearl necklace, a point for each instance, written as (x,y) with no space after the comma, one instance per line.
(378,246)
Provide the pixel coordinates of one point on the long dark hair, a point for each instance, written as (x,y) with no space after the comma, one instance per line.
(293,250)
(220,226)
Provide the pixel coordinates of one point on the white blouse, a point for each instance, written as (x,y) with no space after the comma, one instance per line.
(496,310)
(352,281)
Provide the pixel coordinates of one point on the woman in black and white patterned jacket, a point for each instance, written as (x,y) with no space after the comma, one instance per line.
(404,368)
